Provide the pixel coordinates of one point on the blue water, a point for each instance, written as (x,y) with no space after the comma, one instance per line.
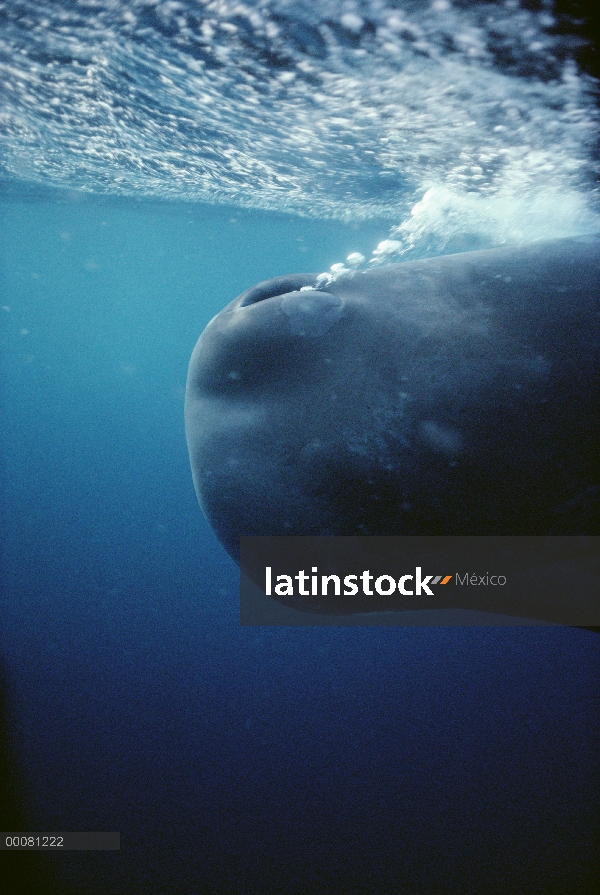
(157,159)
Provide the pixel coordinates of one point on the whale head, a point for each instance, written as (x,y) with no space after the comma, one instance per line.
(455,395)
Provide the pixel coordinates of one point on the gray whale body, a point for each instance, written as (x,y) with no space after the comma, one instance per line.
(454,395)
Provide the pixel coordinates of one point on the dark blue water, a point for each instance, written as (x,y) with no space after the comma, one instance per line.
(267,760)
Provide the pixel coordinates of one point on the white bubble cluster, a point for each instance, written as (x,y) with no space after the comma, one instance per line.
(386,249)
(355,259)
(446,220)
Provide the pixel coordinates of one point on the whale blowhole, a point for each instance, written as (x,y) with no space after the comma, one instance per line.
(275,287)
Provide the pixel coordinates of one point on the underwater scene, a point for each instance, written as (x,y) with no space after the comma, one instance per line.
(159,158)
